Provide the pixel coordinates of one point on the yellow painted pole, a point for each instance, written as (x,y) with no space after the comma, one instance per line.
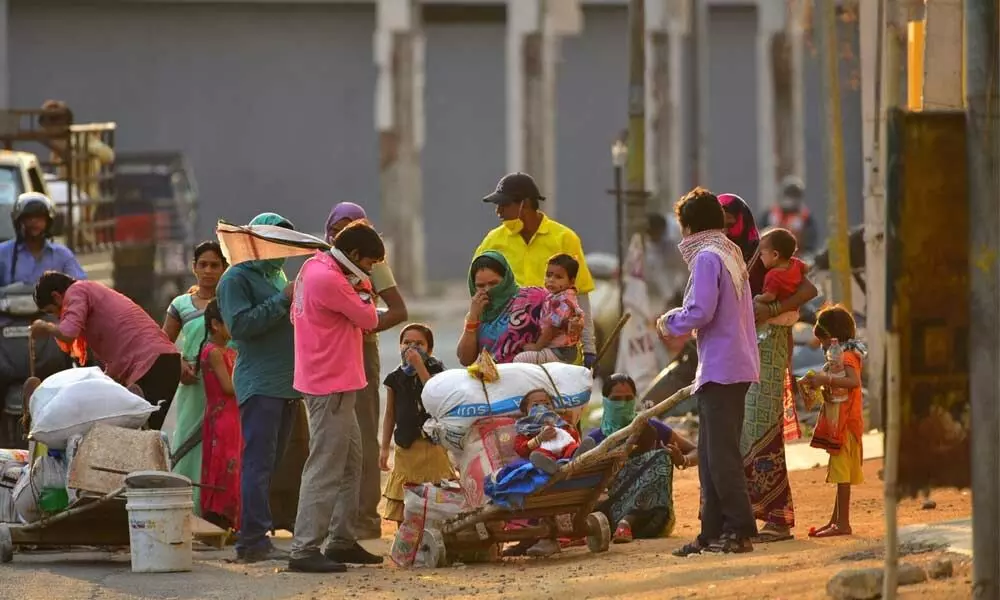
(840,261)
(915,65)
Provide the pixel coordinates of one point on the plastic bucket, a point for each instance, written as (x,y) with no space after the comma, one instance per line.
(159,522)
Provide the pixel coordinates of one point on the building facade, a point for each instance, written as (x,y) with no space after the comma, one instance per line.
(273,103)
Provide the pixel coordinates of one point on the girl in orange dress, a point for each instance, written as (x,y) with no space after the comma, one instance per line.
(836,323)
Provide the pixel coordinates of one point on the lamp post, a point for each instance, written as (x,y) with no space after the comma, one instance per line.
(619,156)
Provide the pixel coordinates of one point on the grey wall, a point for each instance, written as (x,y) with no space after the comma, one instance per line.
(273,104)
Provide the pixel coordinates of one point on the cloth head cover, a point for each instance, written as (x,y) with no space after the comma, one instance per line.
(716,242)
(743,232)
(617,414)
(345,210)
(532,424)
(499,294)
(271,269)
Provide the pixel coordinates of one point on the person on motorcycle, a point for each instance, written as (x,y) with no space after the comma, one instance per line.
(791,213)
(32,252)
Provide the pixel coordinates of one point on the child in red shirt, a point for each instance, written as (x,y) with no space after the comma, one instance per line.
(543,437)
(784,272)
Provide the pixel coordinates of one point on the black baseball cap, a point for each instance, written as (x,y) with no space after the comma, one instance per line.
(515,187)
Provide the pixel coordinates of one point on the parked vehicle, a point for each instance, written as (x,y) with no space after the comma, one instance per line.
(17,311)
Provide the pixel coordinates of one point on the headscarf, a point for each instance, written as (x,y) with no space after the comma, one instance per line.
(617,414)
(499,295)
(271,269)
(532,424)
(345,210)
(744,231)
(716,242)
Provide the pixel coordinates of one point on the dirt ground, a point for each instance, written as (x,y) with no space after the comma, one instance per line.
(642,570)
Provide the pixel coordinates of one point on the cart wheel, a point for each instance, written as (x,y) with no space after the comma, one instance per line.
(6,545)
(599,536)
(432,549)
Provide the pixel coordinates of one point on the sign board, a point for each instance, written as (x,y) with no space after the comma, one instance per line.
(927,218)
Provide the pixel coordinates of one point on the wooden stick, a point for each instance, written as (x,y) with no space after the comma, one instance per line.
(45,522)
(120,472)
(611,339)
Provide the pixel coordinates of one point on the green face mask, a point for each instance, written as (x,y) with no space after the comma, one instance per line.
(617,414)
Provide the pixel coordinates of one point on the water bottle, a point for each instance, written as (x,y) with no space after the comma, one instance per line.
(835,368)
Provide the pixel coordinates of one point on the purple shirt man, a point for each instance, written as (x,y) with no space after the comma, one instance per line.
(718,307)
(727,336)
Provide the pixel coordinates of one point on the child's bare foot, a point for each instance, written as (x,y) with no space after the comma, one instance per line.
(833,531)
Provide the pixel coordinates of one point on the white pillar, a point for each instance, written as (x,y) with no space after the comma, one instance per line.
(4,58)
(770,21)
(399,120)
(533,31)
(943,56)
(659,118)
(680,31)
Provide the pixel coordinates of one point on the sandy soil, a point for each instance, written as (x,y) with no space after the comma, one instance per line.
(642,570)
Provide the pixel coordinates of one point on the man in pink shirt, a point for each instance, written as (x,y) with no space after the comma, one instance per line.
(332,307)
(133,348)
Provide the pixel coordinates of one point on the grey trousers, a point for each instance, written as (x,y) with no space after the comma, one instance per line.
(328,498)
(367,410)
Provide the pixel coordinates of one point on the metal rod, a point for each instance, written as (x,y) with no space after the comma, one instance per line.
(120,472)
(619,239)
(982,43)
(890,471)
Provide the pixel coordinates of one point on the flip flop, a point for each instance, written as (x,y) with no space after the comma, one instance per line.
(813,531)
(832,531)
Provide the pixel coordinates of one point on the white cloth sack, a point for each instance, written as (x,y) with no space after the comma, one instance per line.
(455,400)
(52,384)
(76,407)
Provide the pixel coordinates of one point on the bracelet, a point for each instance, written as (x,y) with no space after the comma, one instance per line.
(533,443)
(471,326)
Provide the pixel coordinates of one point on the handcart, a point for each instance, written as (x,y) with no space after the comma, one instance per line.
(574,490)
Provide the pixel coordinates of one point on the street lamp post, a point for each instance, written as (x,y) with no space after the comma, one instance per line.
(619,156)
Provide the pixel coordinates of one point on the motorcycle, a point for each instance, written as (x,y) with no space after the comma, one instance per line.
(17,311)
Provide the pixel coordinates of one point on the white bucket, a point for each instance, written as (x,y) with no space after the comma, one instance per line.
(159,533)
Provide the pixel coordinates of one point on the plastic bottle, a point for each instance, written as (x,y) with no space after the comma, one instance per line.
(835,368)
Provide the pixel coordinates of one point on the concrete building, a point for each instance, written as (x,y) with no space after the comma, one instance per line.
(273,103)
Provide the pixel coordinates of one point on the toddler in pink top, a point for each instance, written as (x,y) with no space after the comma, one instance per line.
(561,316)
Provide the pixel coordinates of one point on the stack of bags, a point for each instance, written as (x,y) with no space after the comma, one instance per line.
(64,408)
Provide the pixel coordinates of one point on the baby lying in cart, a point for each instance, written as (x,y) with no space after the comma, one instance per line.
(543,437)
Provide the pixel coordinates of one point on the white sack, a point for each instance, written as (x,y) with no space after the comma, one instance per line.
(77,407)
(455,400)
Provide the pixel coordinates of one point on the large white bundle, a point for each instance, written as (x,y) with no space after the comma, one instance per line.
(455,400)
(52,385)
(79,405)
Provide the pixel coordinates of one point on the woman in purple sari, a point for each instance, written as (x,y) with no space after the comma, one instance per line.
(502,317)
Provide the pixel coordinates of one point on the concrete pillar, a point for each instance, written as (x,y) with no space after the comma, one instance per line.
(667,25)
(533,31)
(943,50)
(399,115)
(770,28)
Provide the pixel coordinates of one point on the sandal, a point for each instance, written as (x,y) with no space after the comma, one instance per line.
(813,531)
(832,531)
(769,534)
(686,550)
(518,549)
(730,544)
(623,533)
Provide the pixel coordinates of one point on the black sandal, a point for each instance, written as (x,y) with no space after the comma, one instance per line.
(730,544)
(694,547)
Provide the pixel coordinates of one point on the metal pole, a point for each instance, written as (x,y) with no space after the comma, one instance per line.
(982,18)
(635,200)
(619,242)
(840,262)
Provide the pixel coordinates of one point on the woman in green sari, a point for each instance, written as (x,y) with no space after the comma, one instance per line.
(185,325)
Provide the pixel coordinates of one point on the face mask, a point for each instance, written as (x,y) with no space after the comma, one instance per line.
(407,368)
(538,409)
(617,415)
(515,225)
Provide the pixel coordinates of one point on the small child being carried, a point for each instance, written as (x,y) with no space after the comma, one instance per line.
(561,316)
(784,272)
(543,437)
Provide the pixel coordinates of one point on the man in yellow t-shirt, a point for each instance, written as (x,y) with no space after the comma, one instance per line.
(528,238)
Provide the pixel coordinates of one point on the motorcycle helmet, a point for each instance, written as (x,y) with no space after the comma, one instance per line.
(33,203)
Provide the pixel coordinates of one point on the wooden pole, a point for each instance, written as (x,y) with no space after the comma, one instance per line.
(837,197)
(635,176)
(399,120)
(982,39)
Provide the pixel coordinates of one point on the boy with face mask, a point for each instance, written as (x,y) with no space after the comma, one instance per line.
(528,238)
